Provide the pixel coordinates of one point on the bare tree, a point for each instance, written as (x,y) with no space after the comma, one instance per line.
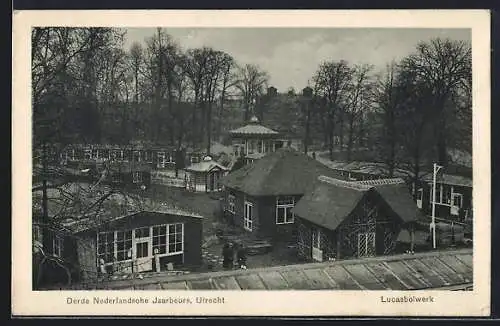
(251,83)
(445,65)
(332,82)
(357,101)
(386,101)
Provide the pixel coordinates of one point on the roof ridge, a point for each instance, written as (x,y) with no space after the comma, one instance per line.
(383,181)
(344,184)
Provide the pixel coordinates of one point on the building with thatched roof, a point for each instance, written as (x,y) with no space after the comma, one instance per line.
(204,176)
(340,219)
(259,196)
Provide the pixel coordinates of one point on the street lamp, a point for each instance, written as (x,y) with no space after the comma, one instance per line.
(433,223)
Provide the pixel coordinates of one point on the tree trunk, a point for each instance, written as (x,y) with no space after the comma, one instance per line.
(46,234)
(306,138)
(209,126)
(350,139)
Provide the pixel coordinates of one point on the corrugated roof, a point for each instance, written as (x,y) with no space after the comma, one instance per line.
(284,172)
(80,206)
(433,270)
(450,179)
(333,200)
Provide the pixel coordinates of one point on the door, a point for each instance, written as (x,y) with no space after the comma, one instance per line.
(143,254)
(317,253)
(248,216)
(419,196)
(366,244)
(456,204)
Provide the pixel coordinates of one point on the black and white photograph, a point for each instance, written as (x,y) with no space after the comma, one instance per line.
(252,158)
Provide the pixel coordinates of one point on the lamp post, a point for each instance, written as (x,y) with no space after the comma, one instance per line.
(433,223)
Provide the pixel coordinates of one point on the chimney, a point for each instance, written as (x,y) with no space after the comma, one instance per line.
(272,91)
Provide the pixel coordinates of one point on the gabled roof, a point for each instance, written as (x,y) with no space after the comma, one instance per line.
(284,172)
(333,200)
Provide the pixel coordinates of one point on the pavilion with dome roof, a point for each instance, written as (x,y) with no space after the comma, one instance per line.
(254,140)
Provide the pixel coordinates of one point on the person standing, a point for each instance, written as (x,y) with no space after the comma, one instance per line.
(227,256)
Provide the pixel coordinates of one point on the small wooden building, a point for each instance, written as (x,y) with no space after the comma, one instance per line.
(453,197)
(259,197)
(122,234)
(204,176)
(341,219)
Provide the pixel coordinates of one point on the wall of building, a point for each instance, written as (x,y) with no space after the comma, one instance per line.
(268,226)
(328,243)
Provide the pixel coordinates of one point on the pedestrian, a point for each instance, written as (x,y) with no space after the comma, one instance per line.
(241,257)
(314,155)
(227,256)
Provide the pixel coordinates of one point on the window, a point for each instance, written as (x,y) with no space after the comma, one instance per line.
(231,206)
(88,154)
(457,200)
(175,238)
(137,156)
(57,246)
(160,160)
(37,234)
(160,239)
(168,239)
(106,246)
(142,249)
(137,177)
(248,216)
(439,189)
(420,193)
(446,195)
(316,238)
(123,244)
(284,207)
(170,158)
(366,244)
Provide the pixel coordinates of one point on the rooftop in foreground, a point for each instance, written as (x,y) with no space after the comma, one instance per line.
(421,271)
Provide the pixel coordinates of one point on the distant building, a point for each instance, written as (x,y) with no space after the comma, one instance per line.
(341,219)
(254,140)
(453,192)
(259,197)
(204,176)
(453,196)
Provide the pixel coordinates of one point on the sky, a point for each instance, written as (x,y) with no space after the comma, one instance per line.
(292,55)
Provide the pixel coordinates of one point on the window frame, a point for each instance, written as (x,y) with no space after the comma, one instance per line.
(160,160)
(57,246)
(176,238)
(231,203)
(137,177)
(248,220)
(285,206)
